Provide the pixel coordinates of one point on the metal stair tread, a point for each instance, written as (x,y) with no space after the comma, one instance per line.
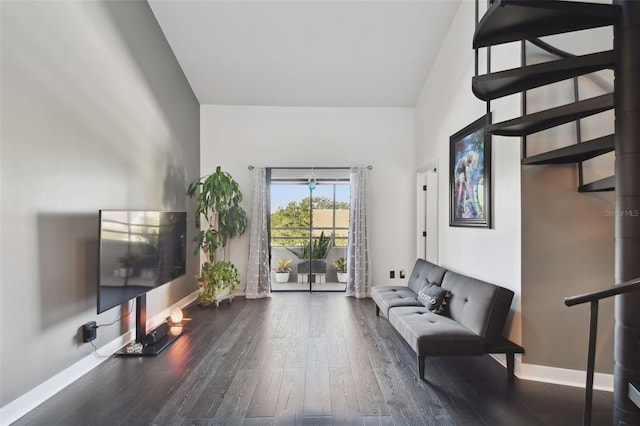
(574,153)
(495,85)
(513,20)
(601,185)
(546,119)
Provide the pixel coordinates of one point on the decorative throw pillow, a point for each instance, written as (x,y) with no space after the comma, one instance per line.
(434,297)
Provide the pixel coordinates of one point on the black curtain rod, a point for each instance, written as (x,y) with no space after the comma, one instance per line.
(309,168)
(305,181)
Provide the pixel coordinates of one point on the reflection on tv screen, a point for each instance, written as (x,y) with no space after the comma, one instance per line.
(139,251)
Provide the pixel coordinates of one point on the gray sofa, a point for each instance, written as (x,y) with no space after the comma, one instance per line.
(472,324)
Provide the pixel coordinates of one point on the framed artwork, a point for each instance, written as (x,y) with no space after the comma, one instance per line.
(470,175)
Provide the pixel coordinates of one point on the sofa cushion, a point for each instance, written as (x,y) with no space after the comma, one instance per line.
(432,334)
(434,297)
(423,271)
(388,296)
(478,305)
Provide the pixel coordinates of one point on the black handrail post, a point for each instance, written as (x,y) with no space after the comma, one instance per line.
(631,286)
(591,358)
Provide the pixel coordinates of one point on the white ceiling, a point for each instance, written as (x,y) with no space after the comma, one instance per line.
(306,53)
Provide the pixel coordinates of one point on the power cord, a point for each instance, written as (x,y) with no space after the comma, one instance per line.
(98,355)
(117,320)
(95,348)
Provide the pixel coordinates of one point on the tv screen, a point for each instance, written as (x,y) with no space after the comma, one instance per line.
(139,251)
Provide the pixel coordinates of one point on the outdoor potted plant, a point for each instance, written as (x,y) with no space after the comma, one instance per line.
(282,270)
(313,255)
(341,267)
(218,199)
(127,263)
(148,263)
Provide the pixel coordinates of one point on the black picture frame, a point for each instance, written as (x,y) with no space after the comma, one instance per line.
(470,175)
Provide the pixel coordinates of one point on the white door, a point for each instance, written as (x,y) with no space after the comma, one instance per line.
(427,215)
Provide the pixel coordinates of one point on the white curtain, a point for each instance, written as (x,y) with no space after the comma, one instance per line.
(258,274)
(359,251)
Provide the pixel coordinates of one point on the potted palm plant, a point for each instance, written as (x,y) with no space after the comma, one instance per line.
(127,264)
(218,199)
(282,270)
(313,254)
(341,267)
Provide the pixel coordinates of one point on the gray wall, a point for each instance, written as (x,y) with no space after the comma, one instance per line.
(96,114)
(567,236)
(567,249)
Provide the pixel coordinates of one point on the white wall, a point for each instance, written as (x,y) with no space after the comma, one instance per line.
(235,137)
(96,114)
(446,105)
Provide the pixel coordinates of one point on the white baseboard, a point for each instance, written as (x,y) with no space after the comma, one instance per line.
(558,376)
(36,396)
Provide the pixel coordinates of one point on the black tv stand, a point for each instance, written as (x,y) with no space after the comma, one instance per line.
(147,350)
(140,347)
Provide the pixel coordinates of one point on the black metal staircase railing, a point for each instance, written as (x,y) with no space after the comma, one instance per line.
(503,83)
(513,20)
(594,298)
(553,117)
(573,66)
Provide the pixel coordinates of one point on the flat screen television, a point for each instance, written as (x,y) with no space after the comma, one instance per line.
(139,251)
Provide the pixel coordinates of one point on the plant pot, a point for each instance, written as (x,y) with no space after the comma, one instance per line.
(206,299)
(315,266)
(342,277)
(282,277)
(223,292)
(124,272)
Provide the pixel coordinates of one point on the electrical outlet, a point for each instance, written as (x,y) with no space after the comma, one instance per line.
(392,274)
(89,331)
(402,274)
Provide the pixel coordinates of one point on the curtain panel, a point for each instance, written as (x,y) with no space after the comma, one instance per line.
(359,250)
(258,273)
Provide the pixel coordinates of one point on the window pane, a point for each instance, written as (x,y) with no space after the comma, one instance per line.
(289,215)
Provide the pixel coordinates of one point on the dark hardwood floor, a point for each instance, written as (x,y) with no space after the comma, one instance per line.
(300,358)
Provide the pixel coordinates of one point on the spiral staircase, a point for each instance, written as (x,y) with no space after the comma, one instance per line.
(525,20)
(516,20)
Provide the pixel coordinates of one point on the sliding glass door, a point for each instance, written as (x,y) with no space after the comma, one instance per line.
(309,228)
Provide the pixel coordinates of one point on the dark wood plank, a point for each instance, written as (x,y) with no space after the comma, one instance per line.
(336,348)
(317,327)
(370,398)
(344,406)
(301,320)
(265,396)
(301,358)
(377,421)
(317,396)
(297,355)
(258,421)
(201,394)
(233,407)
(290,406)
(278,351)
